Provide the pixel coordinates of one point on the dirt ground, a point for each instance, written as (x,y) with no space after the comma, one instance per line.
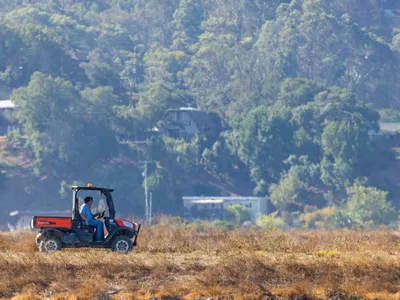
(195,261)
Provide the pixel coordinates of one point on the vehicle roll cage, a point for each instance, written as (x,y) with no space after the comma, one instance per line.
(75,201)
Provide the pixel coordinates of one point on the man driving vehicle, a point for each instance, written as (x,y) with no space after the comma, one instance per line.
(87,216)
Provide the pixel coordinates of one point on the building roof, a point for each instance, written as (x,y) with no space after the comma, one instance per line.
(389,126)
(6,104)
(230,198)
(203,120)
(207,201)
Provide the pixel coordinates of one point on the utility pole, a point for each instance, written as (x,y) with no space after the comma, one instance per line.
(145,192)
(151,206)
(132,84)
(147,207)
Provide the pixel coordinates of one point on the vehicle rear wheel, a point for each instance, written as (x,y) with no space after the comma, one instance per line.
(50,244)
(121,244)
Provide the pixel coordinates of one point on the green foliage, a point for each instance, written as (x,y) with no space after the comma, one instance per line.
(293,188)
(319,218)
(15,140)
(365,206)
(59,127)
(236,214)
(294,83)
(368,206)
(389,115)
(343,144)
(308,40)
(270,222)
(264,143)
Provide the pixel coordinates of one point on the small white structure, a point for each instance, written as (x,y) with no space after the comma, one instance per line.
(389,126)
(214,207)
(6,104)
(5,126)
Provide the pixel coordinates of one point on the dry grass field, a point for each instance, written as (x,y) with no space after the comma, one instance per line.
(194,261)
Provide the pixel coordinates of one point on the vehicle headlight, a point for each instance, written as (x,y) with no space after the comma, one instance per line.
(128,224)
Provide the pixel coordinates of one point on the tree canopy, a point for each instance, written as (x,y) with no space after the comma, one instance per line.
(296,84)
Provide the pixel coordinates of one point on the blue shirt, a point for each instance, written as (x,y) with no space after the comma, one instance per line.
(85,210)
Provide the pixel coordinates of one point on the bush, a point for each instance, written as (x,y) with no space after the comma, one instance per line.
(15,140)
(389,115)
(318,218)
(222,224)
(270,222)
(365,206)
(237,214)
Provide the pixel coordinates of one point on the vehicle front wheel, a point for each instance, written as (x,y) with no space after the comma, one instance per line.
(50,244)
(38,240)
(121,244)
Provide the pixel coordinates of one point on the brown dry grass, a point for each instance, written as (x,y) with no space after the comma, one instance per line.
(187,261)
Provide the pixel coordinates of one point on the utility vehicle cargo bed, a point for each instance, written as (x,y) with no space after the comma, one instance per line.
(53,222)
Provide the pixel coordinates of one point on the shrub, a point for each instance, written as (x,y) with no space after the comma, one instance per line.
(222,224)
(15,140)
(270,222)
(237,214)
(318,218)
(365,206)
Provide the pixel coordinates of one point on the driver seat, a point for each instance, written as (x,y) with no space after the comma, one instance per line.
(86,233)
(82,224)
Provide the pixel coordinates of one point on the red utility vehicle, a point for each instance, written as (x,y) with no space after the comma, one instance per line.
(56,233)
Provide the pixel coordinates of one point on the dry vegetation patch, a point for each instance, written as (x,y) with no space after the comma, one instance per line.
(187,261)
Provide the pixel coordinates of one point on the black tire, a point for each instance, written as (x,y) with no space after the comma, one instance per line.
(122,244)
(50,244)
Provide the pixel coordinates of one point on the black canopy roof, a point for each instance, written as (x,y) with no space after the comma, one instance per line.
(91,188)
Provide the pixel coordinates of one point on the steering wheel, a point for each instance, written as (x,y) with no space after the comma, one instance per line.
(100,214)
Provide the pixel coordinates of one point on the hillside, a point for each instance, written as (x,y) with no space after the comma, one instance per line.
(267,98)
(22,190)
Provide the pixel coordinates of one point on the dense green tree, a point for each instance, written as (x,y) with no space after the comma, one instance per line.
(187,19)
(293,188)
(265,141)
(61,132)
(366,206)
(306,40)
(294,82)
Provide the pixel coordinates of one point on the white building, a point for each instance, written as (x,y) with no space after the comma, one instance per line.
(214,207)
(5,126)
